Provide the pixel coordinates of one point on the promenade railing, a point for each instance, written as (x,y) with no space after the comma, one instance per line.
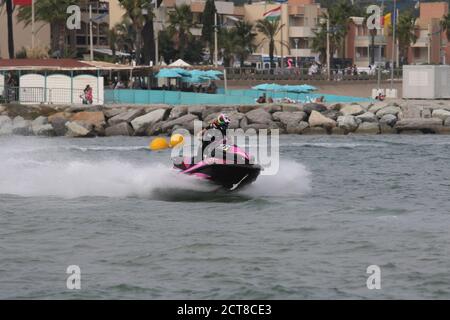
(304,74)
(38,95)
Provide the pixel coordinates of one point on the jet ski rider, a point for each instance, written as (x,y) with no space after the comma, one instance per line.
(209,134)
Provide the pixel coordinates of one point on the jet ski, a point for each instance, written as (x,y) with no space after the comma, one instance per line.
(229,167)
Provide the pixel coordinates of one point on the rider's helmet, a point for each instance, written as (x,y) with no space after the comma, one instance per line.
(223,121)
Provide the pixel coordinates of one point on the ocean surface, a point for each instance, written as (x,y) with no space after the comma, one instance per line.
(137,230)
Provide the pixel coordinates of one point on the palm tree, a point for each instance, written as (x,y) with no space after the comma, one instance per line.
(270,29)
(122,37)
(245,40)
(54,13)
(445,25)
(405,30)
(180,23)
(9,13)
(228,43)
(339,16)
(140,13)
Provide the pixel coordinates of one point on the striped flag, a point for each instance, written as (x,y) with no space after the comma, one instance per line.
(273,14)
(23,2)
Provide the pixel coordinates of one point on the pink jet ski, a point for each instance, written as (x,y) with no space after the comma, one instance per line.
(229,167)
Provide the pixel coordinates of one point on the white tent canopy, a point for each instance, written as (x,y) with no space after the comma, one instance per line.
(179,63)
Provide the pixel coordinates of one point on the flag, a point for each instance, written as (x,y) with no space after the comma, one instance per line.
(417,5)
(387,21)
(273,13)
(23,2)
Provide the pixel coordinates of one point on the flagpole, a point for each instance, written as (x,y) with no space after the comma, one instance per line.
(32,24)
(90,34)
(281,20)
(393,44)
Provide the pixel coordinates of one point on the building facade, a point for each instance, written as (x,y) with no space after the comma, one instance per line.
(105,14)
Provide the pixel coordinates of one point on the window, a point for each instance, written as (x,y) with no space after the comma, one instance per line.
(362,53)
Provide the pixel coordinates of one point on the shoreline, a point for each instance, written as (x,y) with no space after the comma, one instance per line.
(387,117)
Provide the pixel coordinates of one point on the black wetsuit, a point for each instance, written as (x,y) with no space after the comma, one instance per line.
(212,138)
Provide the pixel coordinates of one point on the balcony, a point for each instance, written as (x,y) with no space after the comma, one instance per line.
(302,53)
(422,42)
(301,32)
(197,31)
(365,41)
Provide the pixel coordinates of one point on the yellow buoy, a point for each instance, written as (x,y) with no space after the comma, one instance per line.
(176,139)
(158,144)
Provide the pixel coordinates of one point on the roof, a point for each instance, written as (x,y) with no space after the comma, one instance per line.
(43,63)
(61,65)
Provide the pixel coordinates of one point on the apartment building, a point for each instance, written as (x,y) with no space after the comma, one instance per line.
(431,45)
(300,19)
(364,46)
(105,14)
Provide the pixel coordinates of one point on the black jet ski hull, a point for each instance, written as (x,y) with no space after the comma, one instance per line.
(229,176)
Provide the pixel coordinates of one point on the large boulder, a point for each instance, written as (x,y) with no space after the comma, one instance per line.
(271,108)
(426,113)
(21,127)
(121,129)
(388,110)
(245,124)
(185,121)
(310,107)
(78,129)
(212,110)
(291,107)
(258,116)
(44,130)
(441,114)
(245,109)
(112,112)
(348,123)
(5,125)
(332,114)
(142,123)
(377,107)
(352,110)
(126,116)
(318,120)
(96,119)
(178,111)
(58,122)
(386,129)
(288,117)
(367,117)
(388,119)
(447,122)
(296,127)
(41,127)
(432,125)
(368,128)
(196,110)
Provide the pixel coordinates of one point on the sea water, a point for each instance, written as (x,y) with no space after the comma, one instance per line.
(137,229)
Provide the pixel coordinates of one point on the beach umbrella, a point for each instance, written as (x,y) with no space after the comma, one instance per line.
(214,73)
(194,79)
(182,72)
(167,73)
